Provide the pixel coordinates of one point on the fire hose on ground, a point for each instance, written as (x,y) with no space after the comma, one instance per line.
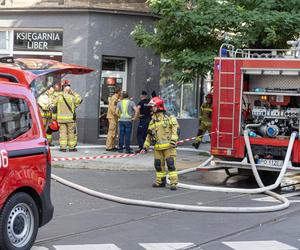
(262,189)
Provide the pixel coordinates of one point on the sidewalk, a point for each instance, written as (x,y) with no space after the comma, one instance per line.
(187,157)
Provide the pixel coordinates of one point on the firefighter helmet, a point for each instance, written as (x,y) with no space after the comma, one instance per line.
(65,83)
(209,95)
(158,102)
(54,126)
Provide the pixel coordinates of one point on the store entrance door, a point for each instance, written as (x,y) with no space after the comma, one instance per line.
(114,75)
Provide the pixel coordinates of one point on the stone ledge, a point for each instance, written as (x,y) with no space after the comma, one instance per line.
(121,5)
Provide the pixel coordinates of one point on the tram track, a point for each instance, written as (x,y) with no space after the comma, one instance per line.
(58,237)
(196,246)
(157,214)
(243,230)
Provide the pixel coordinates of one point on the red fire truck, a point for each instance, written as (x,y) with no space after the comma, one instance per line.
(257,91)
(25,160)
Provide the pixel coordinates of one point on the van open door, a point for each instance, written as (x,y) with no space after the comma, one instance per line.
(48,72)
(38,74)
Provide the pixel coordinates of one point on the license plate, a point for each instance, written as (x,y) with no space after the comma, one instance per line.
(271,162)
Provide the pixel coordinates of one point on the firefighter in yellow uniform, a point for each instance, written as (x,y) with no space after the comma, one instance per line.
(112,117)
(163,132)
(54,97)
(45,105)
(204,120)
(66,104)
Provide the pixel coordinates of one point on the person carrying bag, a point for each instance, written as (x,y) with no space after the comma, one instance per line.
(66,105)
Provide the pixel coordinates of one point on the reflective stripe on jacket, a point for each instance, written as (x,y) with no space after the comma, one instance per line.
(45,114)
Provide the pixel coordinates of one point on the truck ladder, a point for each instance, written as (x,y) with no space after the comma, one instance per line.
(231,89)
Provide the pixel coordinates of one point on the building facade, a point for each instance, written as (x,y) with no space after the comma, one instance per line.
(95,34)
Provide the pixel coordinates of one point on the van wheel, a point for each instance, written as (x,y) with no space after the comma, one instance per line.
(19,222)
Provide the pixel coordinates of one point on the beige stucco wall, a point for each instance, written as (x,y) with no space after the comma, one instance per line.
(126,5)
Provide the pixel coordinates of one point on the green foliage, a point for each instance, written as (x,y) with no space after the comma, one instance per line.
(268,23)
(190,32)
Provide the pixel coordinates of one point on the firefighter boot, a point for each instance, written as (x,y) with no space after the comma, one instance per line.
(173,187)
(160,185)
(198,139)
(197,142)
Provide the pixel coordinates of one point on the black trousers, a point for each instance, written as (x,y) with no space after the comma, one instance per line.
(142,131)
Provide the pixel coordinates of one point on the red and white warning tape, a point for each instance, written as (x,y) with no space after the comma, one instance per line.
(110,156)
(186,140)
(92,157)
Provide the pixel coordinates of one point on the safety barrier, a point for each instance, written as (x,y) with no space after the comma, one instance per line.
(93,157)
(55,159)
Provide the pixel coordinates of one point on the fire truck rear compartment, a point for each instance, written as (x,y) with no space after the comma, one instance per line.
(270,104)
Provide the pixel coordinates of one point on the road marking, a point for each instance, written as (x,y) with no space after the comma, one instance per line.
(88,247)
(271,199)
(81,247)
(165,246)
(147,246)
(258,245)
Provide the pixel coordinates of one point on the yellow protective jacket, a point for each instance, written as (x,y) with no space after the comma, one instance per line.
(54,97)
(112,105)
(64,114)
(162,131)
(206,112)
(45,104)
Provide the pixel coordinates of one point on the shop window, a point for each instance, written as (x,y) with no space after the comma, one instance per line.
(15,118)
(113,76)
(4,42)
(180,99)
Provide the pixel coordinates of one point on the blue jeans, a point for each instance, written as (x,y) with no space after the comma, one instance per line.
(125,132)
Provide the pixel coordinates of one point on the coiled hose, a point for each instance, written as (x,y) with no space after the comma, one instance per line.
(194,208)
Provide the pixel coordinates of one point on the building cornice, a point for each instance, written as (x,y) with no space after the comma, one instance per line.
(74,10)
(131,6)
